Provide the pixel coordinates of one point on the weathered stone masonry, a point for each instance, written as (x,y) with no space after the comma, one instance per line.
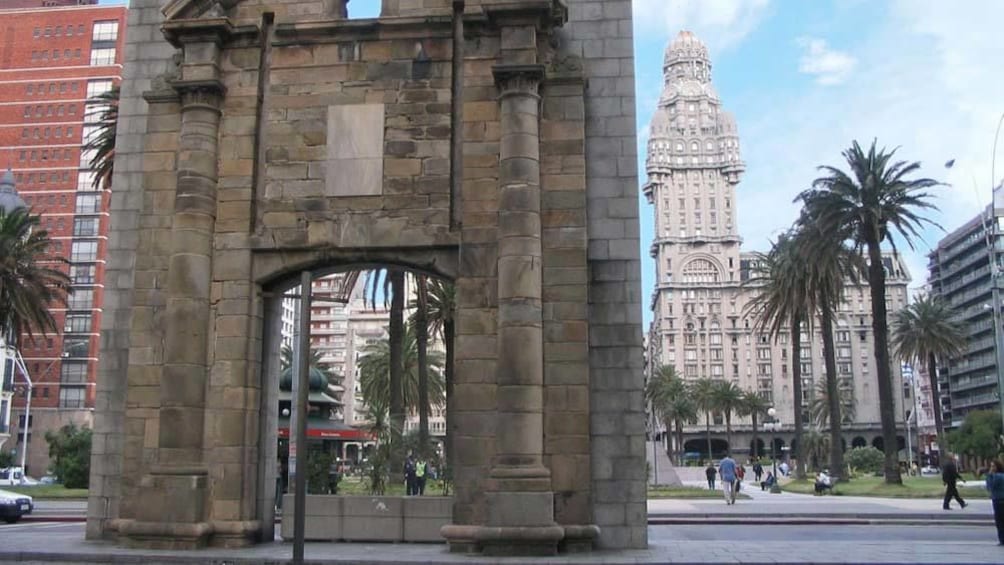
(228,187)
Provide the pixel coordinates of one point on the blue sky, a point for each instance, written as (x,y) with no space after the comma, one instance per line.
(805,78)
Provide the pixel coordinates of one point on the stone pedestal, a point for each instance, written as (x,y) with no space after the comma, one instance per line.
(172,512)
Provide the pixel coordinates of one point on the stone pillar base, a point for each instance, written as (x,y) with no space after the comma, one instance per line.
(171,513)
(164,535)
(521,541)
(579,539)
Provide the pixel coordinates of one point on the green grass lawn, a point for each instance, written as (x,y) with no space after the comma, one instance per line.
(912,487)
(686,492)
(352,485)
(50,492)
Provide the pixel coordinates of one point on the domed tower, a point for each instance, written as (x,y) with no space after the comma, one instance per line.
(9,198)
(693,165)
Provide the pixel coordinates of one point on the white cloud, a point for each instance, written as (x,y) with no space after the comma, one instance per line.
(928,82)
(721,24)
(829,67)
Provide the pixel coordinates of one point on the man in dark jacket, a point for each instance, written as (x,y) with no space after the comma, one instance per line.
(710,473)
(950,476)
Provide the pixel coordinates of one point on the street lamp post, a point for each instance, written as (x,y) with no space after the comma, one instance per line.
(19,361)
(995,274)
(771,412)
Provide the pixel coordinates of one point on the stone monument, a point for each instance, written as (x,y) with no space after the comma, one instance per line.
(489,142)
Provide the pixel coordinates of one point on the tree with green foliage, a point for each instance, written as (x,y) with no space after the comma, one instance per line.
(817,444)
(782,301)
(70,452)
(980,435)
(819,406)
(924,331)
(667,393)
(728,399)
(703,393)
(103,110)
(873,202)
(375,372)
(31,284)
(866,459)
(7,459)
(756,407)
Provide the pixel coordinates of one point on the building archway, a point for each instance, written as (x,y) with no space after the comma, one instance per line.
(858,441)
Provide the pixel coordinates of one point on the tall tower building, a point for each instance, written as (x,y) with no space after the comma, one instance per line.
(55,58)
(700,322)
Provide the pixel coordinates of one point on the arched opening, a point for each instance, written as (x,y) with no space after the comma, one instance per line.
(697,449)
(349,421)
(859,441)
(758,448)
(879,444)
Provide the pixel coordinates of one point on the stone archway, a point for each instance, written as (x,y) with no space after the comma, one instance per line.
(252,147)
(858,441)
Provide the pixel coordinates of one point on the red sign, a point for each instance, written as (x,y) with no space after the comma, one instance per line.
(332,434)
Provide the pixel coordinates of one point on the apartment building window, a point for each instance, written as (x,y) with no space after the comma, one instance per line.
(88,204)
(81,299)
(73,372)
(106,31)
(102,56)
(84,251)
(763,353)
(85,180)
(85,227)
(71,397)
(79,323)
(82,274)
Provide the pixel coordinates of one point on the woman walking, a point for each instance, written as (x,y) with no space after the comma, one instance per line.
(995,484)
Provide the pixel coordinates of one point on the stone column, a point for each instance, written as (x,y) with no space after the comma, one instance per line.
(520,501)
(173,511)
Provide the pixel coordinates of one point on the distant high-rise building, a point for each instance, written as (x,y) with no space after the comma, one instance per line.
(53,60)
(959,272)
(701,325)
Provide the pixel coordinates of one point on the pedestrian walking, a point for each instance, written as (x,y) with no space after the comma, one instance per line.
(740,476)
(995,484)
(950,476)
(757,471)
(710,473)
(727,471)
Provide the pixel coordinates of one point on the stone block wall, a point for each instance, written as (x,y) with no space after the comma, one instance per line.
(601,33)
(146,57)
(289,86)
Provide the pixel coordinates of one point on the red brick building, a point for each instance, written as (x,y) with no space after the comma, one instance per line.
(52,61)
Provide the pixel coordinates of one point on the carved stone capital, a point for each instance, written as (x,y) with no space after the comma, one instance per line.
(200,94)
(518,80)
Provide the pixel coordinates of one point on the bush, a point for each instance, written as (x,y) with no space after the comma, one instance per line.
(318,470)
(6,459)
(865,459)
(70,451)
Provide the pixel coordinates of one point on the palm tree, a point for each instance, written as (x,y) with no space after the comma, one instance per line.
(105,111)
(29,282)
(816,445)
(396,332)
(375,372)
(728,398)
(871,204)
(832,264)
(442,308)
(923,331)
(783,303)
(668,395)
(819,406)
(703,393)
(754,406)
(420,324)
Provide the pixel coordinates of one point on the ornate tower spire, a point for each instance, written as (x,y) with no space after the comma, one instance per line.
(9,198)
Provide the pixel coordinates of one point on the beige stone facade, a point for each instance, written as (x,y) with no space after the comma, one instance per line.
(701,323)
(517,182)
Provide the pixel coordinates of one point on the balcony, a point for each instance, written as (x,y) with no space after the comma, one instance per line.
(969,383)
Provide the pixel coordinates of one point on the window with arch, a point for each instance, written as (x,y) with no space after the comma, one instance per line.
(700,271)
(694,146)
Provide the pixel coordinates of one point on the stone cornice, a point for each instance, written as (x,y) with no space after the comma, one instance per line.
(546,13)
(187,9)
(215,30)
(518,79)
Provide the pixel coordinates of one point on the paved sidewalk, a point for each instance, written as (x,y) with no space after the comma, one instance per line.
(67,548)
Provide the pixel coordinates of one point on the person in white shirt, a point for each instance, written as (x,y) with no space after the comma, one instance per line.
(823,482)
